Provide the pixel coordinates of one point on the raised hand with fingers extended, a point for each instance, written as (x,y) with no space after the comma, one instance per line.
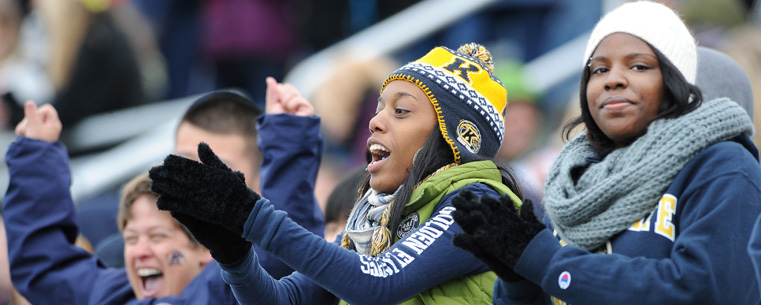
(39,123)
(495,231)
(285,98)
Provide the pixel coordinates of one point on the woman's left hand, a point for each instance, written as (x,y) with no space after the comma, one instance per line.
(495,231)
(208,190)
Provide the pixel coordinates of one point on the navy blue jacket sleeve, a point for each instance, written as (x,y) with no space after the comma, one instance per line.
(754,250)
(46,267)
(419,261)
(291,150)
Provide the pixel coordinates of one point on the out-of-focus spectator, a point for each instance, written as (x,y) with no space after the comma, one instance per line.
(328,175)
(523,125)
(177,26)
(346,101)
(743,44)
(731,27)
(522,118)
(221,44)
(23,59)
(218,44)
(341,201)
(85,57)
(721,76)
(90,62)
(248,40)
(523,129)
(325,22)
(710,20)
(144,45)
(533,168)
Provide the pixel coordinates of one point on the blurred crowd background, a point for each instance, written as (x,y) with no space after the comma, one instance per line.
(121,72)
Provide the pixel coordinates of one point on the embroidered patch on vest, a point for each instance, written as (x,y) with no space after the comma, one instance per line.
(469,136)
(408,224)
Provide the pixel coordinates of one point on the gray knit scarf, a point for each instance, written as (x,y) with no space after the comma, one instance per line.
(626,185)
(367,227)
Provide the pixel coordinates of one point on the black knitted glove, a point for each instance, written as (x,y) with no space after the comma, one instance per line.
(494,232)
(225,246)
(209,191)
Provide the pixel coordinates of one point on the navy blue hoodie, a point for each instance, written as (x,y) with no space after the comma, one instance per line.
(690,250)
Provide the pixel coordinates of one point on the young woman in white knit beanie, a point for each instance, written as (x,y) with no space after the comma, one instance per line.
(652,204)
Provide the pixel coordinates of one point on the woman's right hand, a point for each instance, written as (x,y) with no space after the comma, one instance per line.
(40,123)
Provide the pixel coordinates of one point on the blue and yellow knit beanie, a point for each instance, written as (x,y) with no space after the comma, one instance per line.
(469,100)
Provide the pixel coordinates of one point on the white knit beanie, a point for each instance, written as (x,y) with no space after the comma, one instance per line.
(656,24)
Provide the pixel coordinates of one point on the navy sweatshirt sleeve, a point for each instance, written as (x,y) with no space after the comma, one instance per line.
(291,150)
(754,250)
(46,267)
(419,261)
(718,193)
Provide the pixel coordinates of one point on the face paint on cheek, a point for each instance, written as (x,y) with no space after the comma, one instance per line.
(176,258)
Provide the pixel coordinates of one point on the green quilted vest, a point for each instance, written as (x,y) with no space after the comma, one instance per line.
(472,289)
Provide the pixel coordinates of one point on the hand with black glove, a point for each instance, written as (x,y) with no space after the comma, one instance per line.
(495,231)
(225,247)
(207,192)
